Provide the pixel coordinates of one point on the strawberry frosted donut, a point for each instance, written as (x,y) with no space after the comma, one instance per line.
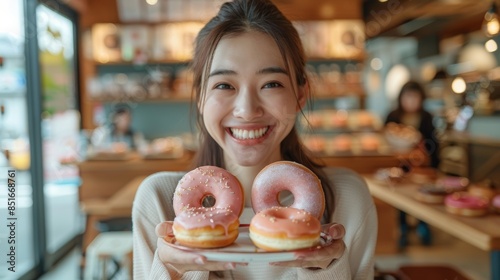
(288,176)
(284,228)
(464,204)
(209,181)
(206,227)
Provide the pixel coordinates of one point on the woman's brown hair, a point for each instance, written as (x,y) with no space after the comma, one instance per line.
(235,18)
(410,86)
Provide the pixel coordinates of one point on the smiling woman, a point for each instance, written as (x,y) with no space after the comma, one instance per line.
(249,97)
(250,84)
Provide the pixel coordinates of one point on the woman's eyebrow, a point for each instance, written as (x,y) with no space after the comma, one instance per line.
(272,70)
(222,72)
(267,70)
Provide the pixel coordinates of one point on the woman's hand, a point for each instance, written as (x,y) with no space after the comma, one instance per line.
(183,260)
(322,257)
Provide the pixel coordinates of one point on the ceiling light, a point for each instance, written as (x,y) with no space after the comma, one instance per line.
(382,1)
(491,45)
(151,2)
(458,85)
(376,64)
(491,24)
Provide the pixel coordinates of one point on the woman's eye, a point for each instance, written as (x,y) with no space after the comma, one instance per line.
(272,85)
(223,86)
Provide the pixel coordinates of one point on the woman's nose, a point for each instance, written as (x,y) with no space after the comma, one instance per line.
(247,105)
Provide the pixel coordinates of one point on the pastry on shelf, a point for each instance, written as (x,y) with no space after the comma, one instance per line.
(315,143)
(401,137)
(342,143)
(369,142)
(314,120)
(339,119)
(364,119)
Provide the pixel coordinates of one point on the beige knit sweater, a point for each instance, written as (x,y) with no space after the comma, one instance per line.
(354,209)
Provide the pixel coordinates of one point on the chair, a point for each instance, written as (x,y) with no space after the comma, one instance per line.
(109,249)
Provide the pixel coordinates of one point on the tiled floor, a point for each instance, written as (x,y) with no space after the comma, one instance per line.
(447,250)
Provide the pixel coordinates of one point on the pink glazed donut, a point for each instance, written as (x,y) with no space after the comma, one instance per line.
(464,204)
(284,228)
(286,175)
(207,181)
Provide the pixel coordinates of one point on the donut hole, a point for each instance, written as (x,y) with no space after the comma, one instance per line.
(285,198)
(208,201)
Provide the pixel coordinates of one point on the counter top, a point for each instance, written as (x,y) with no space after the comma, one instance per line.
(482,232)
(101,179)
(467,138)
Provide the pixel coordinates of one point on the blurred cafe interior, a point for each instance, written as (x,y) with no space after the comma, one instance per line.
(96,95)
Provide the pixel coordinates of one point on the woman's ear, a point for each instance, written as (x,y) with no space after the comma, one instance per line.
(302,94)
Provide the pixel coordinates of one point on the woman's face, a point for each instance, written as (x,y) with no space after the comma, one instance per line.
(122,122)
(411,101)
(250,104)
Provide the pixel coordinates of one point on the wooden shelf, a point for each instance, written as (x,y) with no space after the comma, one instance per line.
(339,95)
(133,64)
(357,58)
(142,100)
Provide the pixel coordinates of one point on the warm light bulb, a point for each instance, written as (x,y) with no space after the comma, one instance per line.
(458,85)
(151,2)
(491,24)
(491,45)
(376,64)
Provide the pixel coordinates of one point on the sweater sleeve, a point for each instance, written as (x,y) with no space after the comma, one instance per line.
(153,205)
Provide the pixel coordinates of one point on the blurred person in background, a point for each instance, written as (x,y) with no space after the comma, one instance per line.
(410,111)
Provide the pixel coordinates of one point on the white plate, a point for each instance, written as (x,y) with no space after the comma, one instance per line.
(243,250)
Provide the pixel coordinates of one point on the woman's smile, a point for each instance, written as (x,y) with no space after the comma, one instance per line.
(249,135)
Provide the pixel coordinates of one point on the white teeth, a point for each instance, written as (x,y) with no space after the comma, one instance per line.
(248,134)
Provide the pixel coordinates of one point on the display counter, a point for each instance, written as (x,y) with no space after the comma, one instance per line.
(103,178)
(482,232)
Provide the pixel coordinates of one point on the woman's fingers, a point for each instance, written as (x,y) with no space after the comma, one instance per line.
(187,261)
(316,258)
(336,231)
(169,254)
(212,266)
(164,229)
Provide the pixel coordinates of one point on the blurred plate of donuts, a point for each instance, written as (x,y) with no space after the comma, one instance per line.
(243,250)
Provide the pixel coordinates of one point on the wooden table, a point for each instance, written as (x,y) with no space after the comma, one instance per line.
(482,232)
